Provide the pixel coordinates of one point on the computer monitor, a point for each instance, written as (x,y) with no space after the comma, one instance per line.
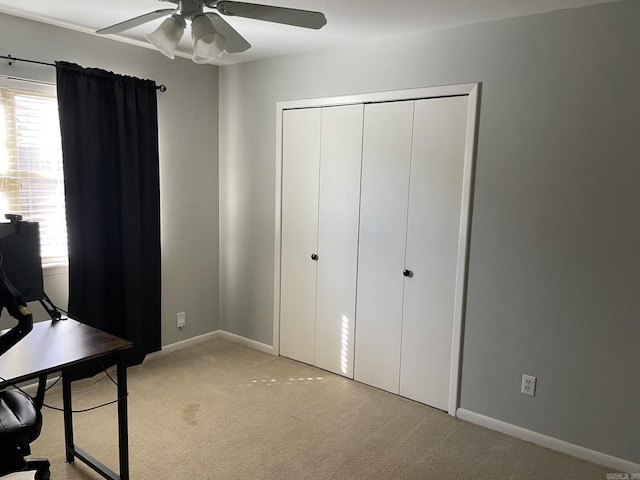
(20,256)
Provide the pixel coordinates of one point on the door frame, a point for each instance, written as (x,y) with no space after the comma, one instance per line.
(472,90)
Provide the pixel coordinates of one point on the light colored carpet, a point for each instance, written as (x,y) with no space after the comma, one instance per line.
(218,410)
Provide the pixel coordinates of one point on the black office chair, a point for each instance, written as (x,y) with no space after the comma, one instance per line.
(20,416)
(20,425)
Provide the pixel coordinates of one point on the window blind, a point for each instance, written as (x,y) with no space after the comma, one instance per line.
(31,176)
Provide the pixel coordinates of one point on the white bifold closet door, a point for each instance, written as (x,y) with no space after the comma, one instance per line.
(433,239)
(412,174)
(300,186)
(341,159)
(320,204)
(386,153)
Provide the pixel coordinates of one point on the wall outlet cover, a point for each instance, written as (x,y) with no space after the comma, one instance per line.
(528,385)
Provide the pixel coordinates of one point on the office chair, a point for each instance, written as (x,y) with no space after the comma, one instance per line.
(20,416)
(20,425)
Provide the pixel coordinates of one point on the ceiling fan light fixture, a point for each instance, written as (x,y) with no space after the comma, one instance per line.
(208,44)
(211,34)
(166,37)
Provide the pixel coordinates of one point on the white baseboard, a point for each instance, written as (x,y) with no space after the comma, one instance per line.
(549,442)
(247,342)
(232,337)
(189,342)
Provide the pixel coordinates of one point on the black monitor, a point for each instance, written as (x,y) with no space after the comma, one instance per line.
(20,256)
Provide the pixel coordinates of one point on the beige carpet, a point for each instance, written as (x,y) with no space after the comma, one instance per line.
(218,410)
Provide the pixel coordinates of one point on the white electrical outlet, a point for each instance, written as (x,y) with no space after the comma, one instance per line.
(181,319)
(528,385)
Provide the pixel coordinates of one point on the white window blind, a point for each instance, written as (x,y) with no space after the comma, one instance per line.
(31,178)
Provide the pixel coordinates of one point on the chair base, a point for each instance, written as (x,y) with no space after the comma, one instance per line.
(40,466)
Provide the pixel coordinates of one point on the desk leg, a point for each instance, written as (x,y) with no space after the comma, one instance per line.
(123,429)
(68,417)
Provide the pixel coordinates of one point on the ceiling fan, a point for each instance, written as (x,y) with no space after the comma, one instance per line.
(212,35)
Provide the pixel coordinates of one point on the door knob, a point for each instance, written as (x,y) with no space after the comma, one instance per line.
(407,273)
(314,256)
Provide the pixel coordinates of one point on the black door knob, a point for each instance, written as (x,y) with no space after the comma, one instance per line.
(407,273)
(314,256)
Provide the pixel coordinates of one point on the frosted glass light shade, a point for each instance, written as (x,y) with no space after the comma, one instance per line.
(166,37)
(208,44)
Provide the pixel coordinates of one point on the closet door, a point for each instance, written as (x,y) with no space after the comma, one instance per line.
(383,216)
(341,154)
(433,236)
(300,180)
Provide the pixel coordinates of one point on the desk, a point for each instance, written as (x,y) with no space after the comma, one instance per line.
(56,347)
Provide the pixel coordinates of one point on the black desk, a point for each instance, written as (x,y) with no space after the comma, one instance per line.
(56,347)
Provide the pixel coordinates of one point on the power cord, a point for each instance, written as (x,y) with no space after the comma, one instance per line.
(175,345)
(90,389)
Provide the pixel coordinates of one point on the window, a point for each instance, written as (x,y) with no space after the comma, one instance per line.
(31,178)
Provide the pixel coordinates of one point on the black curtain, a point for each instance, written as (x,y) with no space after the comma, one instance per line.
(109,126)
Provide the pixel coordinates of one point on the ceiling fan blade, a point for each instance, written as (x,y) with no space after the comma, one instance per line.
(288,16)
(134,22)
(234,42)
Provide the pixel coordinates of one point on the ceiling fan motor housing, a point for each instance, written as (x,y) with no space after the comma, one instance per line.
(191,8)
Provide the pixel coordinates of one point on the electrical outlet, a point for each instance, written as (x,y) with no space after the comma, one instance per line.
(181,319)
(528,385)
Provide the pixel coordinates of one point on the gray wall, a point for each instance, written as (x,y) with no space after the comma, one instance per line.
(554,270)
(188,125)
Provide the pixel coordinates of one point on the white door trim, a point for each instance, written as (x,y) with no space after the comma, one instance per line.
(473,92)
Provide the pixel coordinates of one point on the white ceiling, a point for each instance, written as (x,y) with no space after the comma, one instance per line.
(348,21)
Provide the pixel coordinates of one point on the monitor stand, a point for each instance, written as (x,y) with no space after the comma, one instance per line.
(51,309)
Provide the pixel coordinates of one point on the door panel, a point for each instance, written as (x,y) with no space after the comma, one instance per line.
(340,161)
(433,227)
(300,180)
(383,215)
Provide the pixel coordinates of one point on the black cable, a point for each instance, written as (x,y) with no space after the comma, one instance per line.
(107,372)
(58,409)
(4,380)
(53,384)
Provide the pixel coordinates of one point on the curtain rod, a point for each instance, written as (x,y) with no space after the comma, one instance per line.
(11,59)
